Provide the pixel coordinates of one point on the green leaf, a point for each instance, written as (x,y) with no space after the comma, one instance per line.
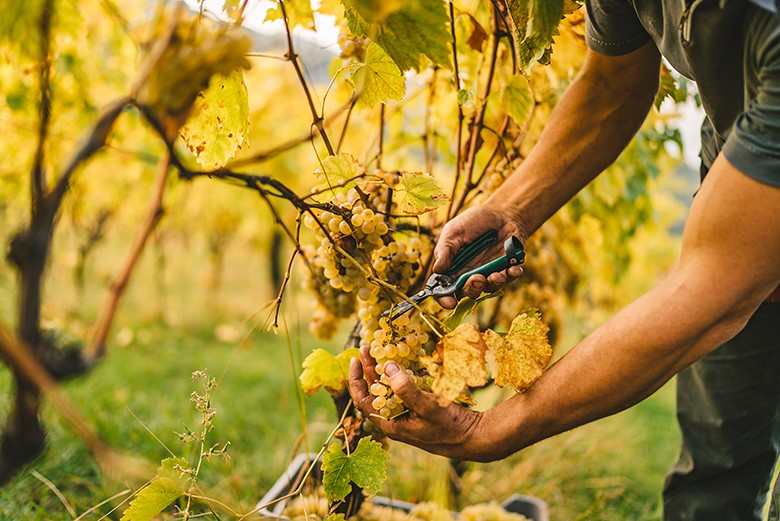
(533,24)
(378,79)
(669,87)
(366,467)
(417,29)
(543,17)
(376,10)
(164,489)
(338,174)
(419,193)
(219,122)
(465,306)
(369,465)
(334,517)
(322,369)
(517,99)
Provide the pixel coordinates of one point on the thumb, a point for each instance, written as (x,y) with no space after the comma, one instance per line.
(406,389)
(442,258)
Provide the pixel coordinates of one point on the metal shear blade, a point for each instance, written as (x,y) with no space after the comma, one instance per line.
(439,285)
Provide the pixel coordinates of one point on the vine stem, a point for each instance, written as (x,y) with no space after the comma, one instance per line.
(97,348)
(293,57)
(429,134)
(20,357)
(476,127)
(456,81)
(38,177)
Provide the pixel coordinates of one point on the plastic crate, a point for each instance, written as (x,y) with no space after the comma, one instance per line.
(531,507)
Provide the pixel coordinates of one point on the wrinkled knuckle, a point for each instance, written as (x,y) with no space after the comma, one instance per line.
(405,388)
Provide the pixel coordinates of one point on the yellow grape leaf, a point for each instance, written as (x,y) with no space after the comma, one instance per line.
(519,359)
(530,331)
(457,363)
(338,174)
(164,489)
(322,369)
(377,79)
(510,365)
(219,121)
(463,356)
(419,193)
(517,99)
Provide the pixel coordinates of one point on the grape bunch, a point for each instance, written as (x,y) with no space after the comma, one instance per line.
(355,248)
(339,264)
(401,341)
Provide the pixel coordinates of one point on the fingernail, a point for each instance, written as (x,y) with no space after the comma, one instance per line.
(479,285)
(391,368)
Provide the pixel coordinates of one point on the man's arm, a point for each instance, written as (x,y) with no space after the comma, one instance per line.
(730,262)
(728,265)
(591,124)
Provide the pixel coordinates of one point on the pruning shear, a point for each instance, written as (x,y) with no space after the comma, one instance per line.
(439,285)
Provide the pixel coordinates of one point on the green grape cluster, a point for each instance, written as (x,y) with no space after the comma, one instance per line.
(338,275)
(358,250)
(198,49)
(401,341)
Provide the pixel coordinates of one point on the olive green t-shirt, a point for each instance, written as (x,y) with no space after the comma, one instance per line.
(730,48)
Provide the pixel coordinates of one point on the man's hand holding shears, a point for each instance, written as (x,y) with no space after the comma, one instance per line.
(467,244)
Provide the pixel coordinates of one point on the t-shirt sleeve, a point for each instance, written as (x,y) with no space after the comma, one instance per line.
(753,145)
(613,28)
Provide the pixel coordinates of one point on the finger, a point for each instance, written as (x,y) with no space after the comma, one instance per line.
(404,387)
(474,286)
(450,241)
(448,302)
(496,281)
(369,365)
(358,388)
(442,255)
(514,272)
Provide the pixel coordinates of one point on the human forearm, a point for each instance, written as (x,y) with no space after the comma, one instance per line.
(615,367)
(727,267)
(590,126)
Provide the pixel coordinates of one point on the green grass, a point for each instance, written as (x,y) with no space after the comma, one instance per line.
(612,469)
(145,388)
